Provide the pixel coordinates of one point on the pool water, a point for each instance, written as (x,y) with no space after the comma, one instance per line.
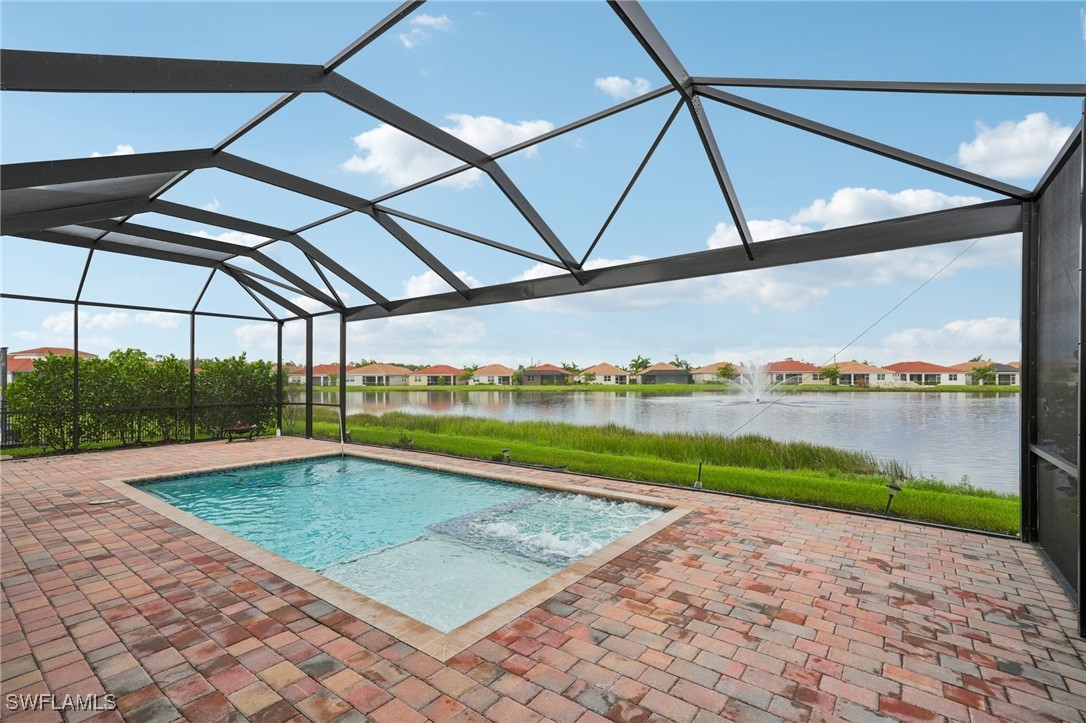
(440,547)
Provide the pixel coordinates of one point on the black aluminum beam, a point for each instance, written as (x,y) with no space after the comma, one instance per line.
(857,141)
(68,215)
(66,239)
(130,307)
(638,22)
(968,222)
(290,182)
(48,173)
(33,70)
(470,236)
(562,130)
(633,180)
(212,218)
(383,110)
(882,86)
(249,282)
(383,26)
(400,234)
(1073,142)
(182,239)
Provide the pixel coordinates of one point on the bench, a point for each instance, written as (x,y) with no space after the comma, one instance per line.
(240,431)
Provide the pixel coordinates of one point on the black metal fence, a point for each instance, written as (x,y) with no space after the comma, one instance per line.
(55,430)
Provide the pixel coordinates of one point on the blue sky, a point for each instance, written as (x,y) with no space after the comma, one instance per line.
(497,73)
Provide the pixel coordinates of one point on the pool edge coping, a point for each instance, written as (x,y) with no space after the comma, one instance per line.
(438,644)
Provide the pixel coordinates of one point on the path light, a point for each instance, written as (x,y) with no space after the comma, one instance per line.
(893,489)
(505,454)
(697,482)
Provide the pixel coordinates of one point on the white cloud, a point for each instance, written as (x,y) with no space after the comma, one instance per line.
(62,323)
(398,159)
(213,205)
(853,206)
(959,340)
(1014,150)
(233,237)
(621,88)
(122,149)
(422,29)
(727,235)
(429,283)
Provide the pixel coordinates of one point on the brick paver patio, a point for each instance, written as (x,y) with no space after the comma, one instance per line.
(740,610)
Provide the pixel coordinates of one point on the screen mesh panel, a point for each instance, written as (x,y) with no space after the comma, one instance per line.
(1057,377)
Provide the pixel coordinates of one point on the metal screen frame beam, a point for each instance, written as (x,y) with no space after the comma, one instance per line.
(642,28)
(858,141)
(883,86)
(967,222)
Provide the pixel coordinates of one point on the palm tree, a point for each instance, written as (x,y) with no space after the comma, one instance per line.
(639,363)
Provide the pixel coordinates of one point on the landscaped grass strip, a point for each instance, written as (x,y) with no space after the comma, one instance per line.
(846,492)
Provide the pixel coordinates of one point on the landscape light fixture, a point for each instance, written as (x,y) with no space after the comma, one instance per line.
(893,489)
(505,454)
(697,482)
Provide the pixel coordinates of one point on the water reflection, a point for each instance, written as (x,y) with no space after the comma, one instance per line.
(944,435)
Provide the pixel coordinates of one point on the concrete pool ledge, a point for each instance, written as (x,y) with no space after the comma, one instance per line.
(436,643)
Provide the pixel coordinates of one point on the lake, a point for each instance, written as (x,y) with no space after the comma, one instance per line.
(946,435)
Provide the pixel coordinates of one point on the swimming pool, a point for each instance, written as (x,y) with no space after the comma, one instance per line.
(440,547)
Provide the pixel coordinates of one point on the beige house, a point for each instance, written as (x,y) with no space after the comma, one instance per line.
(858,374)
(790,371)
(708,373)
(378,375)
(439,374)
(493,374)
(22,362)
(604,374)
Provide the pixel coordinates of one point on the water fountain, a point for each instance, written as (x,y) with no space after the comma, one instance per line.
(756,381)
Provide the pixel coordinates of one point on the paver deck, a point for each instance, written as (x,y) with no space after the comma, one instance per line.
(740,610)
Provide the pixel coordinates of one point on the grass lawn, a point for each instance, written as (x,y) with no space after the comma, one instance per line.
(749,465)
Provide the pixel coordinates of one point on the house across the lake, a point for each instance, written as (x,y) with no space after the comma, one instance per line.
(664,374)
(859,374)
(378,375)
(546,375)
(926,373)
(493,374)
(437,375)
(708,374)
(790,371)
(604,373)
(1005,374)
(324,375)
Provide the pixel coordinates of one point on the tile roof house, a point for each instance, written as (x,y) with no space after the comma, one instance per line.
(43,351)
(858,374)
(1005,373)
(790,371)
(605,374)
(22,362)
(708,373)
(664,374)
(324,375)
(436,375)
(546,374)
(378,375)
(926,373)
(493,374)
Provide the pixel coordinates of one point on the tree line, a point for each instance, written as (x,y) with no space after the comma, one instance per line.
(129,397)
